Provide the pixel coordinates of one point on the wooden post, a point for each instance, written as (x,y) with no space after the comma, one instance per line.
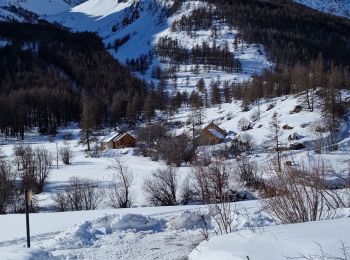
(28,199)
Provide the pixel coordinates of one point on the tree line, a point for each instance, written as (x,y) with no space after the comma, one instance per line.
(291,33)
(46,70)
(221,57)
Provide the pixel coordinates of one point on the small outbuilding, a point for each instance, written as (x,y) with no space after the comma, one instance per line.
(211,134)
(118,140)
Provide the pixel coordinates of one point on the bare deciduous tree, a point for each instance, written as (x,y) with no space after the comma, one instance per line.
(6,185)
(212,182)
(79,194)
(161,189)
(223,218)
(120,192)
(34,166)
(275,136)
(43,162)
(66,154)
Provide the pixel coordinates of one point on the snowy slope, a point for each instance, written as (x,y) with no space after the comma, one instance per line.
(148,20)
(74,2)
(336,7)
(40,7)
(280,242)
(136,233)
(144,22)
(226,116)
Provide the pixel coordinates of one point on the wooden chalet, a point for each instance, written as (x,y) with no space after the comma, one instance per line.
(211,134)
(118,140)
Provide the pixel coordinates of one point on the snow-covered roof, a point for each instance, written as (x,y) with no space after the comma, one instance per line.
(109,137)
(114,136)
(216,133)
(122,135)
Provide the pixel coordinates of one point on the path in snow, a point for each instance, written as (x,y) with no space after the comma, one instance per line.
(141,245)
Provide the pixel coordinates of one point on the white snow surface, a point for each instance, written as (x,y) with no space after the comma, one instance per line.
(172,232)
(16,253)
(40,7)
(278,242)
(335,7)
(106,17)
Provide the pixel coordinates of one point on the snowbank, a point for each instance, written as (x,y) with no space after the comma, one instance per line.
(278,242)
(78,236)
(136,223)
(17,253)
(190,221)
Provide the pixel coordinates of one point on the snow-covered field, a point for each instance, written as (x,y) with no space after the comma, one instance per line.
(168,233)
(144,232)
(174,232)
(336,7)
(281,242)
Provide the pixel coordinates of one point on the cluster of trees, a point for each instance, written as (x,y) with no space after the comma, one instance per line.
(221,57)
(140,64)
(79,194)
(31,167)
(119,42)
(212,181)
(47,69)
(199,19)
(29,170)
(320,85)
(290,32)
(157,143)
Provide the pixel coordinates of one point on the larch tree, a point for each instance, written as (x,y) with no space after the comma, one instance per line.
(90,118)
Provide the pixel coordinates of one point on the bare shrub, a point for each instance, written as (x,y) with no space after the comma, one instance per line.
(17,204)
(174,149)
(244,143)
(344,254)
(120,191)
(66,154)
(61,201)
(301,195)
(149,138)
(205,233)
(162,187)
(244,124)
(212,183)
(24,159)
(79,194)
(223,218)
(67,136)
(6,185)
(248,172)
(320,137)
(95,151)
(255,115)
(187,193)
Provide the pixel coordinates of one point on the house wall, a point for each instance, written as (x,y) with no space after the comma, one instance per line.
(126,141)
(207,138)
(213,126)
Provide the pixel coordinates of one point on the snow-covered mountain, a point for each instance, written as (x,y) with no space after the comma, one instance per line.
(131,31)
(74,2)
(336,7)
(46,7)
(144,22)
(140,24)
(31,10)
